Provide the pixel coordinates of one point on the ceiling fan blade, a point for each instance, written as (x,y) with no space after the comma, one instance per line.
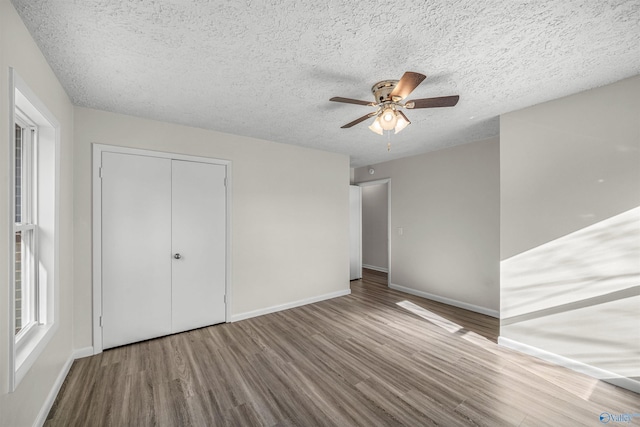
(406,85)
(403,116)
(443,101)
(356,121)
(351,101)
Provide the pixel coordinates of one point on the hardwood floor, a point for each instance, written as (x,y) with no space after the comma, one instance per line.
(374,358)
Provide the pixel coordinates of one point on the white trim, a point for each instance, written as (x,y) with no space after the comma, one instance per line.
(81,353)
(229,204)
(96,237)
(53,393)
(11,223)
(294,304)
(55,388)
(373,267)
(448,301)
(96,232)
(360,223)
(574,365)
(374,182)
(20,362)
(36,342)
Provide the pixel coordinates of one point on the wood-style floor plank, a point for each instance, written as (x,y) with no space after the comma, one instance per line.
(377,357)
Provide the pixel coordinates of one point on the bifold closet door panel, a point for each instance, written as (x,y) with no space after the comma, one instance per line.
(136,248)
(198,240)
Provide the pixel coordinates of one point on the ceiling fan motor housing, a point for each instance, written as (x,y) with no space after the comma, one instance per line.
(382,90)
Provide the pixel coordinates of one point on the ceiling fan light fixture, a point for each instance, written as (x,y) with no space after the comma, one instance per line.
(388,119)
(375,127)
(401,123)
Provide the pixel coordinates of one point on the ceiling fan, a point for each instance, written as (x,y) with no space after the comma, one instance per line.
(388,96)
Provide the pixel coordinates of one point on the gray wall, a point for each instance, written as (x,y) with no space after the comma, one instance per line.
(570,227)
(375,227)
(447,204)
(281,228)
(18,50)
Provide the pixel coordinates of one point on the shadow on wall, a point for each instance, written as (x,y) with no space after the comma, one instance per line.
(579,296)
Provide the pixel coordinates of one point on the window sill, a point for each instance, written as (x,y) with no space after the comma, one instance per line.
(29,348)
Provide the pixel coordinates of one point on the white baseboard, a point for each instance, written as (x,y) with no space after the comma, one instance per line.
(53,393)
(574,365)
(373,267)
(448,301)
(275,308)
(79,353)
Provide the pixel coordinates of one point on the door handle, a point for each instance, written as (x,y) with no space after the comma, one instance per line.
(177,256)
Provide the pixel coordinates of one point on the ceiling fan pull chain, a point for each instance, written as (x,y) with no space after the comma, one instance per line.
(388,141)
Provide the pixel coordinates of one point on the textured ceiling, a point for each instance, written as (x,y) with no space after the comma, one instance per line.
(267,69)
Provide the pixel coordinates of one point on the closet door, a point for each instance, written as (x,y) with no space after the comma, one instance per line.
(136,248)
(198,242)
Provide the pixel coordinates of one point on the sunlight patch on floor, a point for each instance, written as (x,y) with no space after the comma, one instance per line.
(538,369)
(447,325)
(437,320)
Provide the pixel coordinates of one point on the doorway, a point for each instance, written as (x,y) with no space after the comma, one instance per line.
(376,219)
(355,232)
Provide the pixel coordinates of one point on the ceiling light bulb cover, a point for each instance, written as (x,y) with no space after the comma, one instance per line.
(402,123)
(375,127)
(388,119)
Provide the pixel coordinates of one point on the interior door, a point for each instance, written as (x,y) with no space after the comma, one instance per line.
(136,249)
(198,240)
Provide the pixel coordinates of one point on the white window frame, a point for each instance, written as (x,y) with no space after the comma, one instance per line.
(25,348)
(29,221)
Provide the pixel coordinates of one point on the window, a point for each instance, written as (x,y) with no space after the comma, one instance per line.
(25,228)
(34,182)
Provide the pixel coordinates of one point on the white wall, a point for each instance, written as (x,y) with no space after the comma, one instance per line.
(447,203)
(375,234)
(570,227)
(290,211)
(18,50)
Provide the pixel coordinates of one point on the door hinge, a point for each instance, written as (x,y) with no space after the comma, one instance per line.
(100,172)
(100,321)
(225,182)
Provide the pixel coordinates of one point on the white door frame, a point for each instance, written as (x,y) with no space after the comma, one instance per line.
(380,182)
(98,149)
